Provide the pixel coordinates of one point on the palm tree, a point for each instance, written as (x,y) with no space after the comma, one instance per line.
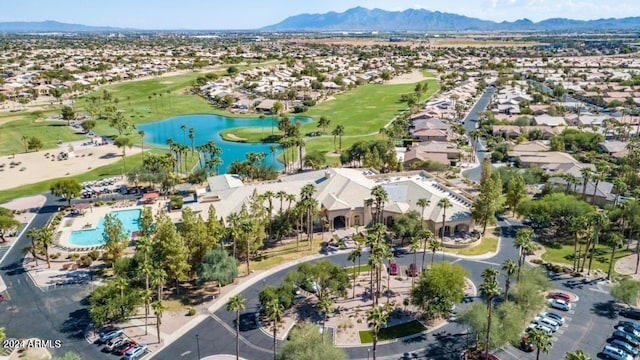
(414,246)
(326,306)
(427,236)
(576,355)
(444,204)
(158,309)
(274,311)
(423,203)
(586,176)
(522,241)
(353,256)
(158,279)
(376,318)
(339,132)
(280,195)
(380,196)
(489,289)
(509,267)
(541,340)
(192,137)
(33,234)
(123,142)
(435,245)
(323,123)
(236,305)
(598,221)
(183,127)
(616,241)
(45,240)
(141,133)
(144,245)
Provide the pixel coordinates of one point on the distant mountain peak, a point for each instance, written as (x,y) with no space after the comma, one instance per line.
(412,19)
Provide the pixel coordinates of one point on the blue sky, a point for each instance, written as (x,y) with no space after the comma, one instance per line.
(251,14)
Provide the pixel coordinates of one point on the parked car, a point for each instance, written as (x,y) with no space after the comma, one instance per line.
(553,316)
(621,335)
(631,313)
(631,350)
(122,349)
(526,344)
(629,331)
(630,324)
(136,352)
(104,337)
(113,344)
(547,330)
(413,270)
(489,357)
(559,304)
(559,296)
(614,353)
(553,325)
(393,269)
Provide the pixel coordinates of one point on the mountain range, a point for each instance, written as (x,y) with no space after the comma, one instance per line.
(362,19)
(51,26)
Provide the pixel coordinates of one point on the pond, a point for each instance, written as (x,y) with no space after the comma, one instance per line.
(208,127)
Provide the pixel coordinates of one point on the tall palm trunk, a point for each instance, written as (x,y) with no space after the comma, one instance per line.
(586,253)
(489,309)
(519,265)
(275,329)
(424,252)
(354,279)
(238,335)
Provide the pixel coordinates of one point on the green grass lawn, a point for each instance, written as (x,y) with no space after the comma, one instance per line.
(48,131)
(363,268)
(487,245)
(393,332)
(563,254)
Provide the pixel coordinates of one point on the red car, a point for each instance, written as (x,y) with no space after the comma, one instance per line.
(393,269)
(559,296)
(125,347)
(526,345)
(413,270)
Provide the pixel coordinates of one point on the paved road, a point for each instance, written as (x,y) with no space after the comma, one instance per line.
(470,123)
(57,314)
(217,333)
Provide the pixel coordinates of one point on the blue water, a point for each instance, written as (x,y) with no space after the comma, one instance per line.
(93,237)
(208,127)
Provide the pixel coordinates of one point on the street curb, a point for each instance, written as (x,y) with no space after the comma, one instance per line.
(221,301)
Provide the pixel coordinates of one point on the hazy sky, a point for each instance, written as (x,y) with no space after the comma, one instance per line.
(251,14)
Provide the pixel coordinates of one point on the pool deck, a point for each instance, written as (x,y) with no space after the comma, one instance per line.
(89,219)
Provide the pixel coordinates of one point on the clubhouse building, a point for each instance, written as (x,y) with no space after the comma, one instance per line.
(341,194)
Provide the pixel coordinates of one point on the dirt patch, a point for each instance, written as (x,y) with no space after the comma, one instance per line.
(627,266)
(333,154)
(410,78)
(166,82)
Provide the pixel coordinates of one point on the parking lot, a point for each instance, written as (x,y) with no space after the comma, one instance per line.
(114,341)
(588,324)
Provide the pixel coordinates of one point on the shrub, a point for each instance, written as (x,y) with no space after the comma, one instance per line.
(73,256)
(54,256)
(94,255)
(191,312)
(176,202)
(84,261)
(537,261)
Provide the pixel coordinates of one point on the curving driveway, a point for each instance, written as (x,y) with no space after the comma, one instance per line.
(217,333)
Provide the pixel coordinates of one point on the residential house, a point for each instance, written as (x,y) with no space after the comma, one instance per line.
(427,128)
(547,120)
(441,152)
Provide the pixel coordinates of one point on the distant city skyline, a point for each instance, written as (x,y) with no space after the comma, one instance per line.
(254,14)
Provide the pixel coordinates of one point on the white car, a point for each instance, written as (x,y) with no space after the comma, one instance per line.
(550,323)
(547,330)
(135,353)
(559,304)
(553,316)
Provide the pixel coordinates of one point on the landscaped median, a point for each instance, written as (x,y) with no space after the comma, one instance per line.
(488,245)
(393,332)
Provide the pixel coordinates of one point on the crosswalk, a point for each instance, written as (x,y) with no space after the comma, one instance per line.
(4,249)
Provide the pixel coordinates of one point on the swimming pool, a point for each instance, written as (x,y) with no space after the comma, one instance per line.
(93,237)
